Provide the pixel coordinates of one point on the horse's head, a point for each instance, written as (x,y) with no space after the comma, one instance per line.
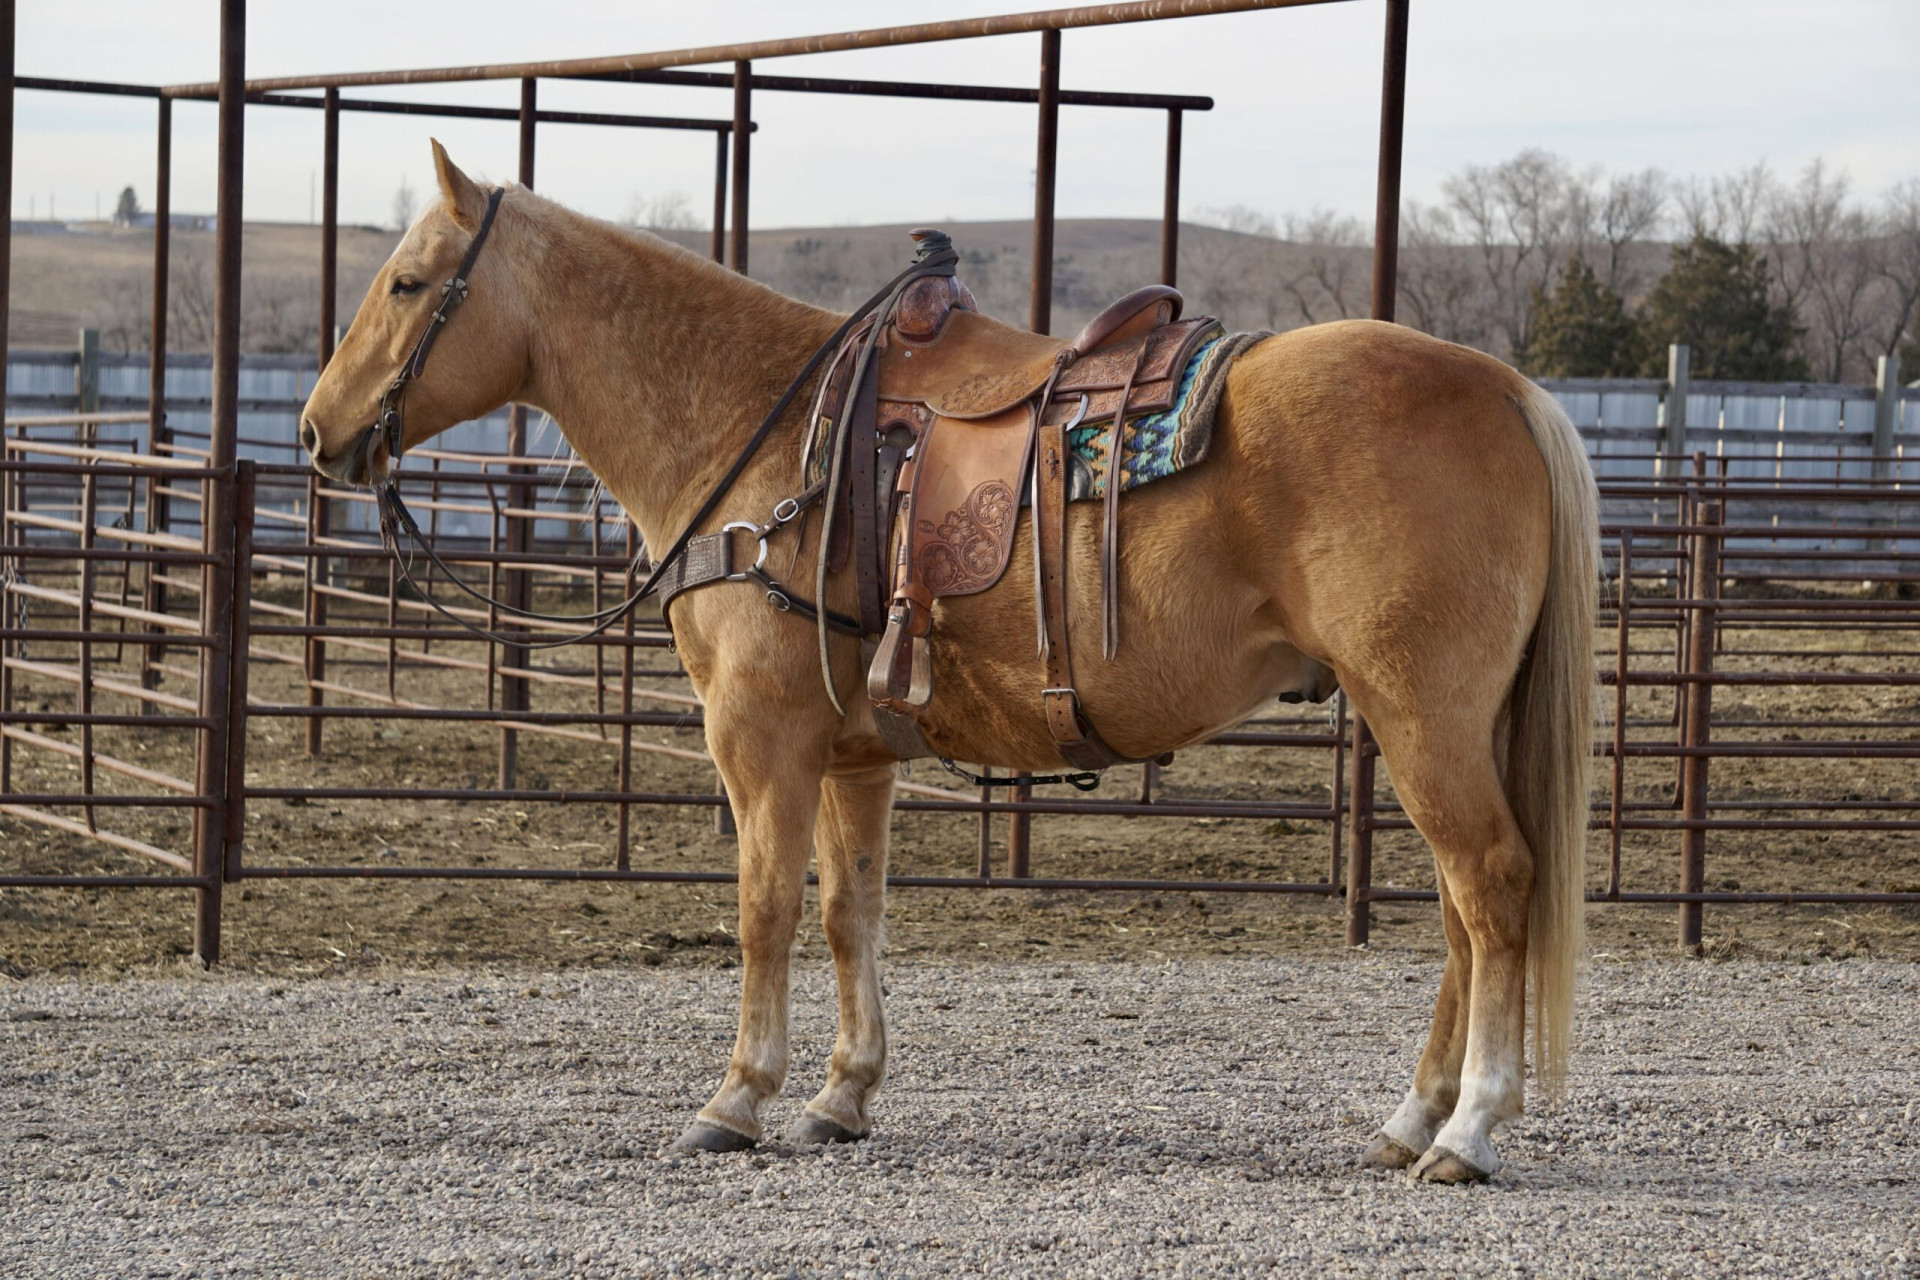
(478,361)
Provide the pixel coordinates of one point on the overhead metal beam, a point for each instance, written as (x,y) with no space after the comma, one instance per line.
(1096,15)
(908,89)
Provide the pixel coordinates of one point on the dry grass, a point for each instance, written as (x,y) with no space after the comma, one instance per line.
(102,278)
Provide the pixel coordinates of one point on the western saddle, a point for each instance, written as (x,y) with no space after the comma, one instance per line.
(933,425)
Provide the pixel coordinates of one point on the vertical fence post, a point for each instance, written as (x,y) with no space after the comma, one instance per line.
(217,523)
(86,375)
(742,138)
(1386,283)
(1020,834)
(158,438)
(6,185)
(719,195)
(1386,196)
(1623,652)
(1886,405)
(319,510)
(1673,409)
(1703,588)
(153,596)
(1360,834)
(623,769)
(162,251)
(1170,204)
(1336,789)
(515,691)
(238,648)
(1040,309)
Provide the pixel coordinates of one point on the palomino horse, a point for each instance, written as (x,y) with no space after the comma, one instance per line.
(1413,515)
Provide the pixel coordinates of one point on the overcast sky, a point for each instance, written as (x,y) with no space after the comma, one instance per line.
(1694,86)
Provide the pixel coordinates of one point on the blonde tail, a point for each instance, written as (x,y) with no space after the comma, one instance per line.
(1550,759)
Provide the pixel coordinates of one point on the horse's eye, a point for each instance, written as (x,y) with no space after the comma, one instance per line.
(406,284)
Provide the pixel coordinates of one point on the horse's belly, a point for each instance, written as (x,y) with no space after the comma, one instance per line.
(1200,648)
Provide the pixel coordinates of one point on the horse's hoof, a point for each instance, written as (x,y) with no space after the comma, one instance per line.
(811,1130)
(1448,1168)
(1387,1153)
(703,1136)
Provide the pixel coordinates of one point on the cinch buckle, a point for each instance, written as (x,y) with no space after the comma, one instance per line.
(759,561)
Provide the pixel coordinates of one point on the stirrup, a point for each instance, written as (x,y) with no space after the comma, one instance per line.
(901,677)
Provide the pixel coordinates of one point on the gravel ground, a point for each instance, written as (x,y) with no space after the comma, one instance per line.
(1087,1119)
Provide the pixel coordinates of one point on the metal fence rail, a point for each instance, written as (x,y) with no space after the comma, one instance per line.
(1700,607)
(175,587)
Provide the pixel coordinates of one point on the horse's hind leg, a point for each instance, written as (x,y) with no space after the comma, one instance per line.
(851,845)
(1444,773)
(1407,1134)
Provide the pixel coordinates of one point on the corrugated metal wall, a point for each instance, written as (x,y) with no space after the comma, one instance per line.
(1808,432)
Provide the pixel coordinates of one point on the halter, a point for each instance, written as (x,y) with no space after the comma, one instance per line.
(395,518)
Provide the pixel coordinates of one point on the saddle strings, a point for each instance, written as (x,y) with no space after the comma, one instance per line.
(395,517)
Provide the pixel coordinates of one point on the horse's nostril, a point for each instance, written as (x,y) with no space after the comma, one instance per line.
(309,438)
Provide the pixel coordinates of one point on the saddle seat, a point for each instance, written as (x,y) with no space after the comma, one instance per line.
(974,367)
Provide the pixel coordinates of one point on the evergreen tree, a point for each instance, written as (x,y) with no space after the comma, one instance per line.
(1580,330)
(127,210)
(1715,298)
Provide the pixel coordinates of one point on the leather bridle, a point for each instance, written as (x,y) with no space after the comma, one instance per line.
(395,518)
(391,420)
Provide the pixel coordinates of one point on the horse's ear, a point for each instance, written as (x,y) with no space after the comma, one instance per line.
(463,196)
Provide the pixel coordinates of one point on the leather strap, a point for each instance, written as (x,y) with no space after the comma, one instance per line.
(708,558)
(1110,531)
(862,419)
(395,518)
(1078,742)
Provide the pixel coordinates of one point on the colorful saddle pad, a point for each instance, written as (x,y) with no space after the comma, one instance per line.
(1156,445)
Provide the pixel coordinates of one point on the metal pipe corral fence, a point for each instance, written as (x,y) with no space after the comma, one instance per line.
(178,611)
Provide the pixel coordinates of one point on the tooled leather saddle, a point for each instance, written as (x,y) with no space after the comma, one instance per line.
(940,426)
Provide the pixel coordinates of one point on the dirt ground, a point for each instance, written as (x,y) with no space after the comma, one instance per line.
(311,926)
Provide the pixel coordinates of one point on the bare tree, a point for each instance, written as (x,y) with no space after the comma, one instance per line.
(1729,209)
(669,211)
(1227,272)
(1440,291)
(1822,253)
(404,206)
(124,315)
(1899,265)
(1633,209)
(1520,219)
(1328,276)
(189,300)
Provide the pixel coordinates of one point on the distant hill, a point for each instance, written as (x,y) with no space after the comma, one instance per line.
(101,276)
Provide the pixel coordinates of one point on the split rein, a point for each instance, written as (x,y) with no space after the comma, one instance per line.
(396,519)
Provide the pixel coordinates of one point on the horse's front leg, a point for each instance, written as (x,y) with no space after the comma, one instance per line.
(856,804)
(772,767)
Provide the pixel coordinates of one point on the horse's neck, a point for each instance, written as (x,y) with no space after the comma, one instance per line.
(657,365)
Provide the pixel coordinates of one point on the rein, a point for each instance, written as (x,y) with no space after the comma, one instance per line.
(395,518)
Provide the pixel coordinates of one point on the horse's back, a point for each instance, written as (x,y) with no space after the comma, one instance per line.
(1359,476)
